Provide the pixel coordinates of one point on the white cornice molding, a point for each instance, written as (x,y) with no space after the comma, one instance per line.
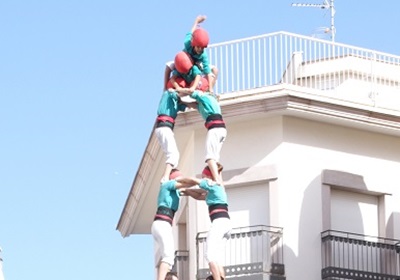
(281,99)
(290,100)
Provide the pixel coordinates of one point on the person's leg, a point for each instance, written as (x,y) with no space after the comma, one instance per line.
(214,141)
(166,138)
(169,66)
(212,164)
(215,270)
(157,240)
(157,230)
(213,248)
(216,244)
(163,269)
(167,172)
(167,248)
(222,272)
(212,78)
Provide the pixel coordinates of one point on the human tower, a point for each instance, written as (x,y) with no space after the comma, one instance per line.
(190,74)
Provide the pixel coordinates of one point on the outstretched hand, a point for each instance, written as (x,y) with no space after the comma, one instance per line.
(183,91)
(182,192)
(200,19)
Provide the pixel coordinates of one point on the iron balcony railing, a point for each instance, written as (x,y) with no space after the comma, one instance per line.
(288,58)
(355,256)
(251,252)
(181,265)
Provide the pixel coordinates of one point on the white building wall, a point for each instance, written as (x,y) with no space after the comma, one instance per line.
(251,143)
(267,128)
(355,212)
(249,205)
(301,150)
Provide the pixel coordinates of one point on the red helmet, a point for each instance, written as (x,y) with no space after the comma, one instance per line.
(200,38)
(181,82)
(175,173)
(183,62)
(203,84)
(207,172)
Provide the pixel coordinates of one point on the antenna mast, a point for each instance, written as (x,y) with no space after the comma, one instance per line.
(326,5)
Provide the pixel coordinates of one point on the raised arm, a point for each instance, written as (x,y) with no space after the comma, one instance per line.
(167,75)
(195,83)
(199,19)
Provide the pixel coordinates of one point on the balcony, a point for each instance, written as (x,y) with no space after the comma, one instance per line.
(252,253)
(354,256)
(326,68)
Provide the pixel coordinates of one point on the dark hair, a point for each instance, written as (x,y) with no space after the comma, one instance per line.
(212,278)
(170,275)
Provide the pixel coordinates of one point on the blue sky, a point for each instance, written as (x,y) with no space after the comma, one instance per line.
(80,83)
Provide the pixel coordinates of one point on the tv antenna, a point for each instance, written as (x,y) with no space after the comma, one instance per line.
(325,5)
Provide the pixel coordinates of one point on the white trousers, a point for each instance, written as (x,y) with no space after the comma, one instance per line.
(214,141)
(166,138)
(164,242)
(216,240)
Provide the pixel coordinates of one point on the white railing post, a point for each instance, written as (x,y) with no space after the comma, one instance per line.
(329,67)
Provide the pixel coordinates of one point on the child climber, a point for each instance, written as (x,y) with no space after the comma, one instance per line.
(161,229)
(168,108)
(208,107)
(215,196)
(196,40)
(190,73)
(195,43)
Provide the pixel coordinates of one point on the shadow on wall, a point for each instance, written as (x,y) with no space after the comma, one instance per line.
(309,259)
(348,218)
(257,143)
(319,135)
(391,230)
